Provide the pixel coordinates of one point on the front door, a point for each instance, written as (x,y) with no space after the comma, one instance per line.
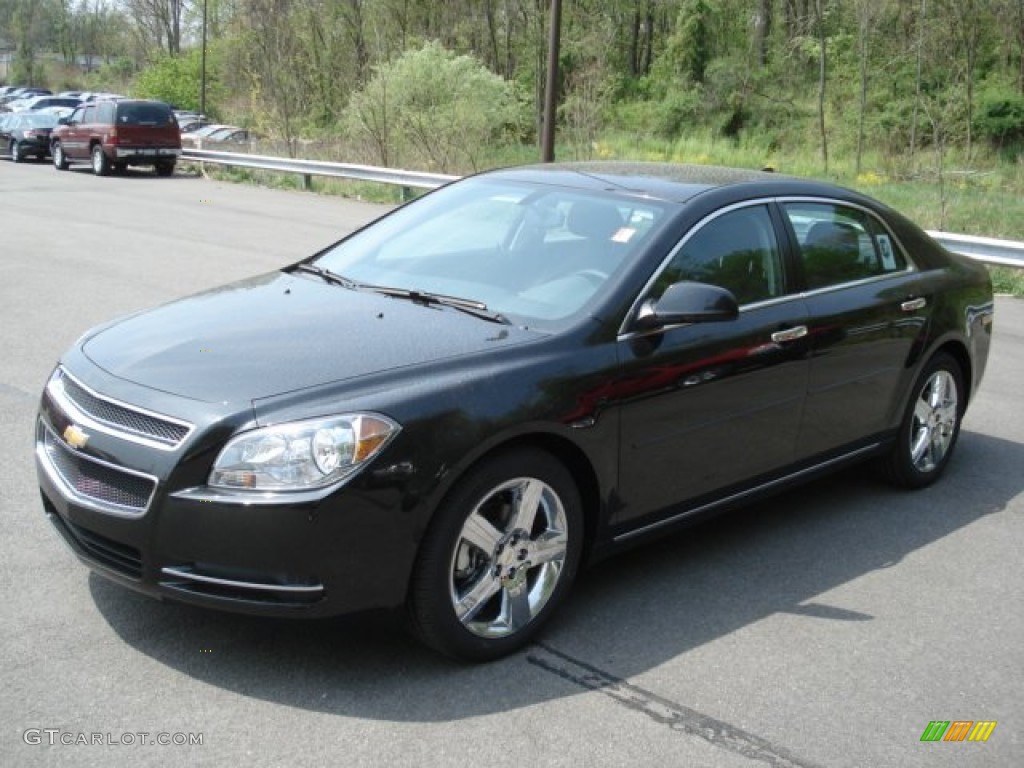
(707,406)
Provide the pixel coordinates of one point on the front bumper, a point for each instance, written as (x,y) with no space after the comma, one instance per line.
(120,505)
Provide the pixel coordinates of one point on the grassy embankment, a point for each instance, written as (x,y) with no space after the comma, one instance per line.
(986,200)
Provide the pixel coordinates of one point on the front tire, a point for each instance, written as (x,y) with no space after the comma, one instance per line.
(500,556)
(60,160)
(100,164)
(930,426)
(15,152)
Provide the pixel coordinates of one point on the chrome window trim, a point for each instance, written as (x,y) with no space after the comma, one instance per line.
(624,333)
(56,391)
(72,494)
(911,264)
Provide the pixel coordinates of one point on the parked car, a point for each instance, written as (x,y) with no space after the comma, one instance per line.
(112,135)
(5,118)
(27,133)
(229,135)
(186,116)
(451,409)
(41,102)
(21,93)
(193,138)
(58,111)
(189,125)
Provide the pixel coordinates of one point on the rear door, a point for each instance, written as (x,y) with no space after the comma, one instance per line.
(867,305)
(75,135)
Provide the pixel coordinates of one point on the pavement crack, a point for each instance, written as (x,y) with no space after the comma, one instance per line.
(676,716)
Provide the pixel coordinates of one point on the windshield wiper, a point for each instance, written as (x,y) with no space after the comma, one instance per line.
(326,275)
(469,306)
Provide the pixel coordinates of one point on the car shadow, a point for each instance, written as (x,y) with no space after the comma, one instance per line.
(141,172)
(630,613)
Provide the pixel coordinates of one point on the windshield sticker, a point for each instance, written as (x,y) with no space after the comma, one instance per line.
(624,235)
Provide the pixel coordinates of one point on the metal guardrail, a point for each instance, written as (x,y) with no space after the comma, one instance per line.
(406,179)
(988,250)
(1005,253)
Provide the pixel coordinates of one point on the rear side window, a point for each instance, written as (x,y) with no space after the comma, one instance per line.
(144,114)
(105,113)
(841,245)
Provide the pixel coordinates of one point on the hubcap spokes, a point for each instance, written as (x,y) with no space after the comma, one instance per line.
(508,558)
(934,423)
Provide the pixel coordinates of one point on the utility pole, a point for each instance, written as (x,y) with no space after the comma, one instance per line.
(551,89)
(202,68)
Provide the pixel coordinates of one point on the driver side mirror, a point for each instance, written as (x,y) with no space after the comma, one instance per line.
(687,302)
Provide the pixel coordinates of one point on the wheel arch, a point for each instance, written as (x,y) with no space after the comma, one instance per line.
(956,348)
(562,449)
(958,351)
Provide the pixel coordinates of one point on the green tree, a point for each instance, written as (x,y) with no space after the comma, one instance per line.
(175,79)
(433,107)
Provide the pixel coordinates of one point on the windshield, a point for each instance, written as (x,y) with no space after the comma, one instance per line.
(529,252)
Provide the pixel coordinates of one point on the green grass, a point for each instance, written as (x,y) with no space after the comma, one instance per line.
(1007,280)
(982,197)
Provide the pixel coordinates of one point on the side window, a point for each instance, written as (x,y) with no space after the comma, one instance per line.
(105,113)
(90,115)
(737,251)
(77,116)
(841,245)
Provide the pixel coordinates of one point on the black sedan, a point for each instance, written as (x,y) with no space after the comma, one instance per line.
(452,409)
(27,133)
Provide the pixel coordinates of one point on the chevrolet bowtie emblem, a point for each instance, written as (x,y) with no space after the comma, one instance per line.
(75,437)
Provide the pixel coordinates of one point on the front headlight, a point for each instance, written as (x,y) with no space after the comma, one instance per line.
(301,455)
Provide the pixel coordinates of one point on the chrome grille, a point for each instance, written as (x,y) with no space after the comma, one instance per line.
(93,481)
(121,418)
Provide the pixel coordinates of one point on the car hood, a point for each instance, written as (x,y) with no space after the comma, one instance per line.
(279,333)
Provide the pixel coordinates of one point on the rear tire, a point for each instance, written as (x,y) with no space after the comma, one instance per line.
(60,160)
(498,558)
(165,169)
(930,426)
(100,164)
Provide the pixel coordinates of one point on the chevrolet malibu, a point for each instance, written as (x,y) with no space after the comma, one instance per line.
(452,409)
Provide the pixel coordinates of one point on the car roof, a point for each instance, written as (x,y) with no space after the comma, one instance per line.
(669,181)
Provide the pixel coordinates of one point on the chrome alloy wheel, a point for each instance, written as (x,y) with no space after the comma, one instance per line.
(508,557)
(934,422)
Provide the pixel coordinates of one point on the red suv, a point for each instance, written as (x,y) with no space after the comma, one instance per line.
(112,135)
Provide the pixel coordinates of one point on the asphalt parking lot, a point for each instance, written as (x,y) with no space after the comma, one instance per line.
(826,627)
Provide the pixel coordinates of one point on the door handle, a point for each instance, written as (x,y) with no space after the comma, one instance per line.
(790,334)
(912,305)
